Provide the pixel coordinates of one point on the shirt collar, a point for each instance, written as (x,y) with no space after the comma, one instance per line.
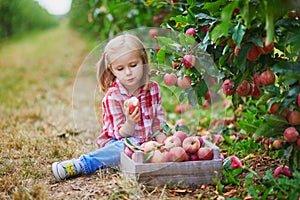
(124,91)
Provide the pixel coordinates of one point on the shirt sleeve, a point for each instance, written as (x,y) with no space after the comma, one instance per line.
(113,115)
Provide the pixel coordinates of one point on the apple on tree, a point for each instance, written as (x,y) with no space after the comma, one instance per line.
(131,104)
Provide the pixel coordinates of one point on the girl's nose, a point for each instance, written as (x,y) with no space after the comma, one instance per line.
(127,70)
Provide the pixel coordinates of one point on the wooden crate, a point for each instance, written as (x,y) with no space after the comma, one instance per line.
(189,172)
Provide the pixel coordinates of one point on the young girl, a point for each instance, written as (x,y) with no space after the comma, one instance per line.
(123,72)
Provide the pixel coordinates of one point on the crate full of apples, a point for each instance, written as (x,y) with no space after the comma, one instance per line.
(180,158)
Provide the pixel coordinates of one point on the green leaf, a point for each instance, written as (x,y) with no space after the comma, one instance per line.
(161,54)
(148,155)
(165,128)
(267,131)
(214,6)
(275,120)
(182,128)
(238,34)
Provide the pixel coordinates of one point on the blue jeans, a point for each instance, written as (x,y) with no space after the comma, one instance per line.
(108,156)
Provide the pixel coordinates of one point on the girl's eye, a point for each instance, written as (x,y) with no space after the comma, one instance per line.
(120,69)
(133,65)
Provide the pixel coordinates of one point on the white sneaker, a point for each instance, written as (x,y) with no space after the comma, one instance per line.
(66,169)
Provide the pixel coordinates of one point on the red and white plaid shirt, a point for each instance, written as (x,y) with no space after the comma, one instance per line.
(113,116)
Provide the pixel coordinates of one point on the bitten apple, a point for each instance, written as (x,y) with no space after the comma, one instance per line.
(131,103)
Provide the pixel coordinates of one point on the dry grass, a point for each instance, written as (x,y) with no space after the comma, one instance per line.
(37,129)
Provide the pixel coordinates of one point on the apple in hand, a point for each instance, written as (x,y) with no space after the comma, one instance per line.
(131,103)
(191,144)
(205,153)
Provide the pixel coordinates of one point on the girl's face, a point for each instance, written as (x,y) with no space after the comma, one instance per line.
(128,69)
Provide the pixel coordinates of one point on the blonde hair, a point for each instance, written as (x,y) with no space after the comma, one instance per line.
(130,42)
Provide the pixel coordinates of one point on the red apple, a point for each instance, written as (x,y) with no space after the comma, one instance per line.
(256,79)
(170,79)
(191,144)
(157,157)
(267,78)
(128,151)
(193,157)
(244,89)
(200,140)
(131,103)
(217,138)
(150,145)
(290,134)
(294,117)
(255,93)
(181,135)
(177,154)
(234,162)
(266,48)
(277,144)
(253,54)
(205,153)
(298,143)
(207,95)
(189,61)
(285,112)
(284,170)
(184,82)
(274,107)
(153,32)
(172,141)
(228,87)
(190,31)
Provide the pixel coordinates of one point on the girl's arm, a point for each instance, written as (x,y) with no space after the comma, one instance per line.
(127,129)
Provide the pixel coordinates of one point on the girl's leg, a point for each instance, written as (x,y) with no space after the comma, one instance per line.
(108,156)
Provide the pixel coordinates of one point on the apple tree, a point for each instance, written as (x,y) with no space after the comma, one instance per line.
(255,47)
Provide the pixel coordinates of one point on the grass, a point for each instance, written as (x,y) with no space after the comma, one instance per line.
(37,74)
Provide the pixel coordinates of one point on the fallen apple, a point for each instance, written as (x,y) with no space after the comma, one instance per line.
(284,170)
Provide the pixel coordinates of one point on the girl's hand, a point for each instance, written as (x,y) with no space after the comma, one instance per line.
(135,116)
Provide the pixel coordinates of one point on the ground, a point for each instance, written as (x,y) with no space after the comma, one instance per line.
(38,97)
